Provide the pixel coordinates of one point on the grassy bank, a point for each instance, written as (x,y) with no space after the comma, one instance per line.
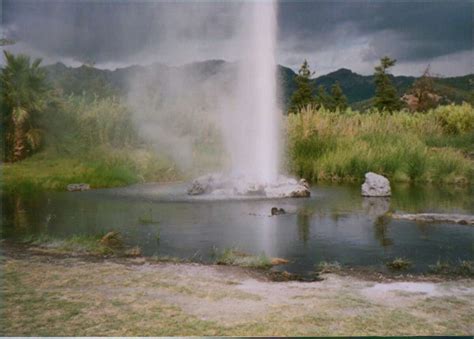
(102,168)
(406,147)
(92,141)
(50,296)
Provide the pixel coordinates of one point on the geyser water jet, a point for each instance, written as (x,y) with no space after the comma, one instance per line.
(251,131)
(255,147)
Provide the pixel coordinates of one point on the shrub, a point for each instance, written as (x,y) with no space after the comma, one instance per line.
(330,146)
(455,119)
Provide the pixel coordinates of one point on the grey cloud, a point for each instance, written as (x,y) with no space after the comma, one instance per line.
(349,34)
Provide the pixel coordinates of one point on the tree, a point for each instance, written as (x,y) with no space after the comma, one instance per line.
(322,97)
(303,94)
(386,96)
(23,97)
(423,91)
(339,100)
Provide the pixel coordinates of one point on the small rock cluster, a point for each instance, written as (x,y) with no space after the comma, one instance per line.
(78,187)
(218,184)
(277,211)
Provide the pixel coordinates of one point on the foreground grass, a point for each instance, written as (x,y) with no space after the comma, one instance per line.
(76,244)
(405,147)
(49,297)
(234,257)
(102,168)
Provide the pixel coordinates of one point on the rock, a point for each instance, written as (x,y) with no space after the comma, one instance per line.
(196,188)
(287,191)
(133,252)
(376,185)
(278,261)
(112,240)
(206,184)
(248,188)
(220,185)
(437,217)
(300,192)
(304,183)
(78,187)
(277,211)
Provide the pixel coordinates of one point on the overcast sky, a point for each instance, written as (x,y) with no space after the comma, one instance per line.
(329,34)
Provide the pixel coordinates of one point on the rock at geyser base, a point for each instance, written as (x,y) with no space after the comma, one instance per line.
(221,185)
(375,185)
(78,187)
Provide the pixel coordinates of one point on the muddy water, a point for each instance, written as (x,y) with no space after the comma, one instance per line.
(335,224)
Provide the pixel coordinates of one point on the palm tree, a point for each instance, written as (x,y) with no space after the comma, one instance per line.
(23,97)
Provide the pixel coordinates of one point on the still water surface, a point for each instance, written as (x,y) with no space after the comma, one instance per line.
(335,224)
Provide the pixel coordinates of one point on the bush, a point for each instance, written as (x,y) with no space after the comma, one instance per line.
(403,146)
(455,119)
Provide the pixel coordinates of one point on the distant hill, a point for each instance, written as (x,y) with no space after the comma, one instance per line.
(359,89)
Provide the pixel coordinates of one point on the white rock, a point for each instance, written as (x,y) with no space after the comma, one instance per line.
(376,185)
(78,187)
(220,185)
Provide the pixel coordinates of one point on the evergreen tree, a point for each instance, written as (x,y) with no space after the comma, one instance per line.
(323,98)
(303,94)
(386,96)
(339,100)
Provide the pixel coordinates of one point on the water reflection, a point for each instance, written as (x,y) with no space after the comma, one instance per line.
(335,224)
(303,222)
(381,230)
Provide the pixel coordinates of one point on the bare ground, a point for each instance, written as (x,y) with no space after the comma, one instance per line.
(45,295)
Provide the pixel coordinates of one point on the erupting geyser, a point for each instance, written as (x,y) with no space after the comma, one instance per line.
(252,130)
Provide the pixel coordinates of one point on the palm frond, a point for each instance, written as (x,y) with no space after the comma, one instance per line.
(34,137)
(20,115)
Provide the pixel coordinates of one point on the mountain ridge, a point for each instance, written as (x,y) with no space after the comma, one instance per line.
(358,88)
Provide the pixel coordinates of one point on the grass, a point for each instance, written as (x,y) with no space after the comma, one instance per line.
(406,147)
(70,297)
(101,168)
(234,257)
(76,244)
(461,268)
(399,264)
(90,141)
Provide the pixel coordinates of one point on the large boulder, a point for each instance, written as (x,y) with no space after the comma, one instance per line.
(376,185)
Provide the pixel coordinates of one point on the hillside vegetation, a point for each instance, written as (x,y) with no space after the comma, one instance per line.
(358,88)
(70,126)
(92,141)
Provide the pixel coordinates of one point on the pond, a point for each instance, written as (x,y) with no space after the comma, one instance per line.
(334,224)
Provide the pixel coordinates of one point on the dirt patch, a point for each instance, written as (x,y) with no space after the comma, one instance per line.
(59,295)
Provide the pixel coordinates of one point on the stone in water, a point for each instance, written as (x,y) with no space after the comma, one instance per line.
(376,185)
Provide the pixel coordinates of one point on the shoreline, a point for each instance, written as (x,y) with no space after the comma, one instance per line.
(15,250)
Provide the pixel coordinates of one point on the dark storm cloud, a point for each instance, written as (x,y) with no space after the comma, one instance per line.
(112,30)
(352,34)
(423,29)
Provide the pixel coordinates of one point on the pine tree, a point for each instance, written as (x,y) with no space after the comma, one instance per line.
(322,97)
(303,95)
(339,100)
(386,96)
